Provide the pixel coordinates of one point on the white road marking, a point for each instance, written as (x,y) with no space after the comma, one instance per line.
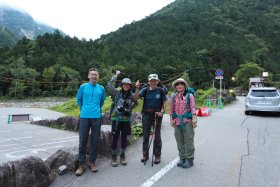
(29,146)
(66,138)
(11,139)
(165,169)
(160,173)
(4,131)
(7,145)
(29,152)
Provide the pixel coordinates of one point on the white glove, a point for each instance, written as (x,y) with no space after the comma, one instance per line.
(118,72)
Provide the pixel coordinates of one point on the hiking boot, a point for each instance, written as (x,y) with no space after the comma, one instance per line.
(80,170)
(157,160)
(187,164)
(123,160)
(144,158)
(93,167)
(114,161)
(181,162)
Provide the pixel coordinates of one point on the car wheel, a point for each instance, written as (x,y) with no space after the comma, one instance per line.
(247,112)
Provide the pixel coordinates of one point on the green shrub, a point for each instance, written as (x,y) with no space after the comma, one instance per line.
(137,131)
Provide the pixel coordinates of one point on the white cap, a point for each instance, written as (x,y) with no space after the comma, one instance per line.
(153,77)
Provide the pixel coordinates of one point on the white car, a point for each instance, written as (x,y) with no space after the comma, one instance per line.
(266,99)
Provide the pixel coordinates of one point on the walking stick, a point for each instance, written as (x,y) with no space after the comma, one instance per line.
(154,131)
(151,140)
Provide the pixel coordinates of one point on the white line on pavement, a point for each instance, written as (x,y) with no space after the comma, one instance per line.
(160,173)
(165,169)
(7,145)
(65,138)
(11,139)
(29,146)
(29,152)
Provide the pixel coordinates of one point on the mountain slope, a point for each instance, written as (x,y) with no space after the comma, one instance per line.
(21,24)
(201,36)
(6,38)
(198,36)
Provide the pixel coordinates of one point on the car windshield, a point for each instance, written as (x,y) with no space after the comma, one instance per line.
(264,93)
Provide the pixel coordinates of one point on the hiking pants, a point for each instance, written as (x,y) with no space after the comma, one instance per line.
(148,121)
(86,124)
(185,141)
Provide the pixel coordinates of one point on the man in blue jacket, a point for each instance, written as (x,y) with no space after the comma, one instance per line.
(90,99)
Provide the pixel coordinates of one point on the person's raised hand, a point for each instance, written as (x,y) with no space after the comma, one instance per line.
(137,84)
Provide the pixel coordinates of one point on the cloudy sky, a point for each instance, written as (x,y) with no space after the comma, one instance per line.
(88,19)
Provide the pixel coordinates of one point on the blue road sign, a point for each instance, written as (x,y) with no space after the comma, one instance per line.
(219,73)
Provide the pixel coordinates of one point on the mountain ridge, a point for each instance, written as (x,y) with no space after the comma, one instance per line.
(21,24)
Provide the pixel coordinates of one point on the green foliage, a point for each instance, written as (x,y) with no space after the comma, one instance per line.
(198,36)
(245,72)
(63,126)
(233,93)
(6,38)
(137,131)
(71,107)
(202,96)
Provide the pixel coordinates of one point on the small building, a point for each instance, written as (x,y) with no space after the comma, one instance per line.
(256,82)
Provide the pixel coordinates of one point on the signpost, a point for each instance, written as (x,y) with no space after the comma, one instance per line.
(219,75)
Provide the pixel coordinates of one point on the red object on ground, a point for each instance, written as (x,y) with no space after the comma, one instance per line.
(203,112)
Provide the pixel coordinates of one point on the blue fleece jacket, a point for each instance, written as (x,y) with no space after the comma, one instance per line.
(90,99)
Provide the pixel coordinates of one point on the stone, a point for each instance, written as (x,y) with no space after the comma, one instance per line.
(104,146)
(67,157)
(62,170)
(136,118)
(31,171)
(71,123)
(106,120)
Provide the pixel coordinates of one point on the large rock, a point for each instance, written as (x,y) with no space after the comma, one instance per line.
(105,139)
(67,157)
(72,123)
(136,118)
(66,123)
(28,172)
(69,123)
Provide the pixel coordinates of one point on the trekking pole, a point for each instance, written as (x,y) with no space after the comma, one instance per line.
(152,137)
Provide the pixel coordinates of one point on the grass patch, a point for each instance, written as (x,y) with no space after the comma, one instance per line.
(71,108)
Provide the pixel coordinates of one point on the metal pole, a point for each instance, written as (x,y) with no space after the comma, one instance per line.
(220,88)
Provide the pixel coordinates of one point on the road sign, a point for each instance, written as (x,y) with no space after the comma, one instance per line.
(219,77)
(219,73)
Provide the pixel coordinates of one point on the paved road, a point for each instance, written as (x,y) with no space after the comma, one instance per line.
(18,140)
(231,150)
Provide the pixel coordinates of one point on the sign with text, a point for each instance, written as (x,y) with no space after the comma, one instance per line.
(220,77)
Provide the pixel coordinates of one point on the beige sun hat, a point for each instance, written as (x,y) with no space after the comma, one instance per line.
(180,80)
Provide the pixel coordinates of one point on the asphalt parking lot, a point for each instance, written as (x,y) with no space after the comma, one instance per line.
(21,139)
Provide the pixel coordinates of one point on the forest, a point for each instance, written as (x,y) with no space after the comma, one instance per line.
(193,37)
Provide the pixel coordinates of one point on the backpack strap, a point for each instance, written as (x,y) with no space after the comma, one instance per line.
(161,91)
(188,103)
(144,90)
(173,97)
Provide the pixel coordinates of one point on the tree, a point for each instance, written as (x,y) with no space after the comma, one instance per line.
(245,72)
